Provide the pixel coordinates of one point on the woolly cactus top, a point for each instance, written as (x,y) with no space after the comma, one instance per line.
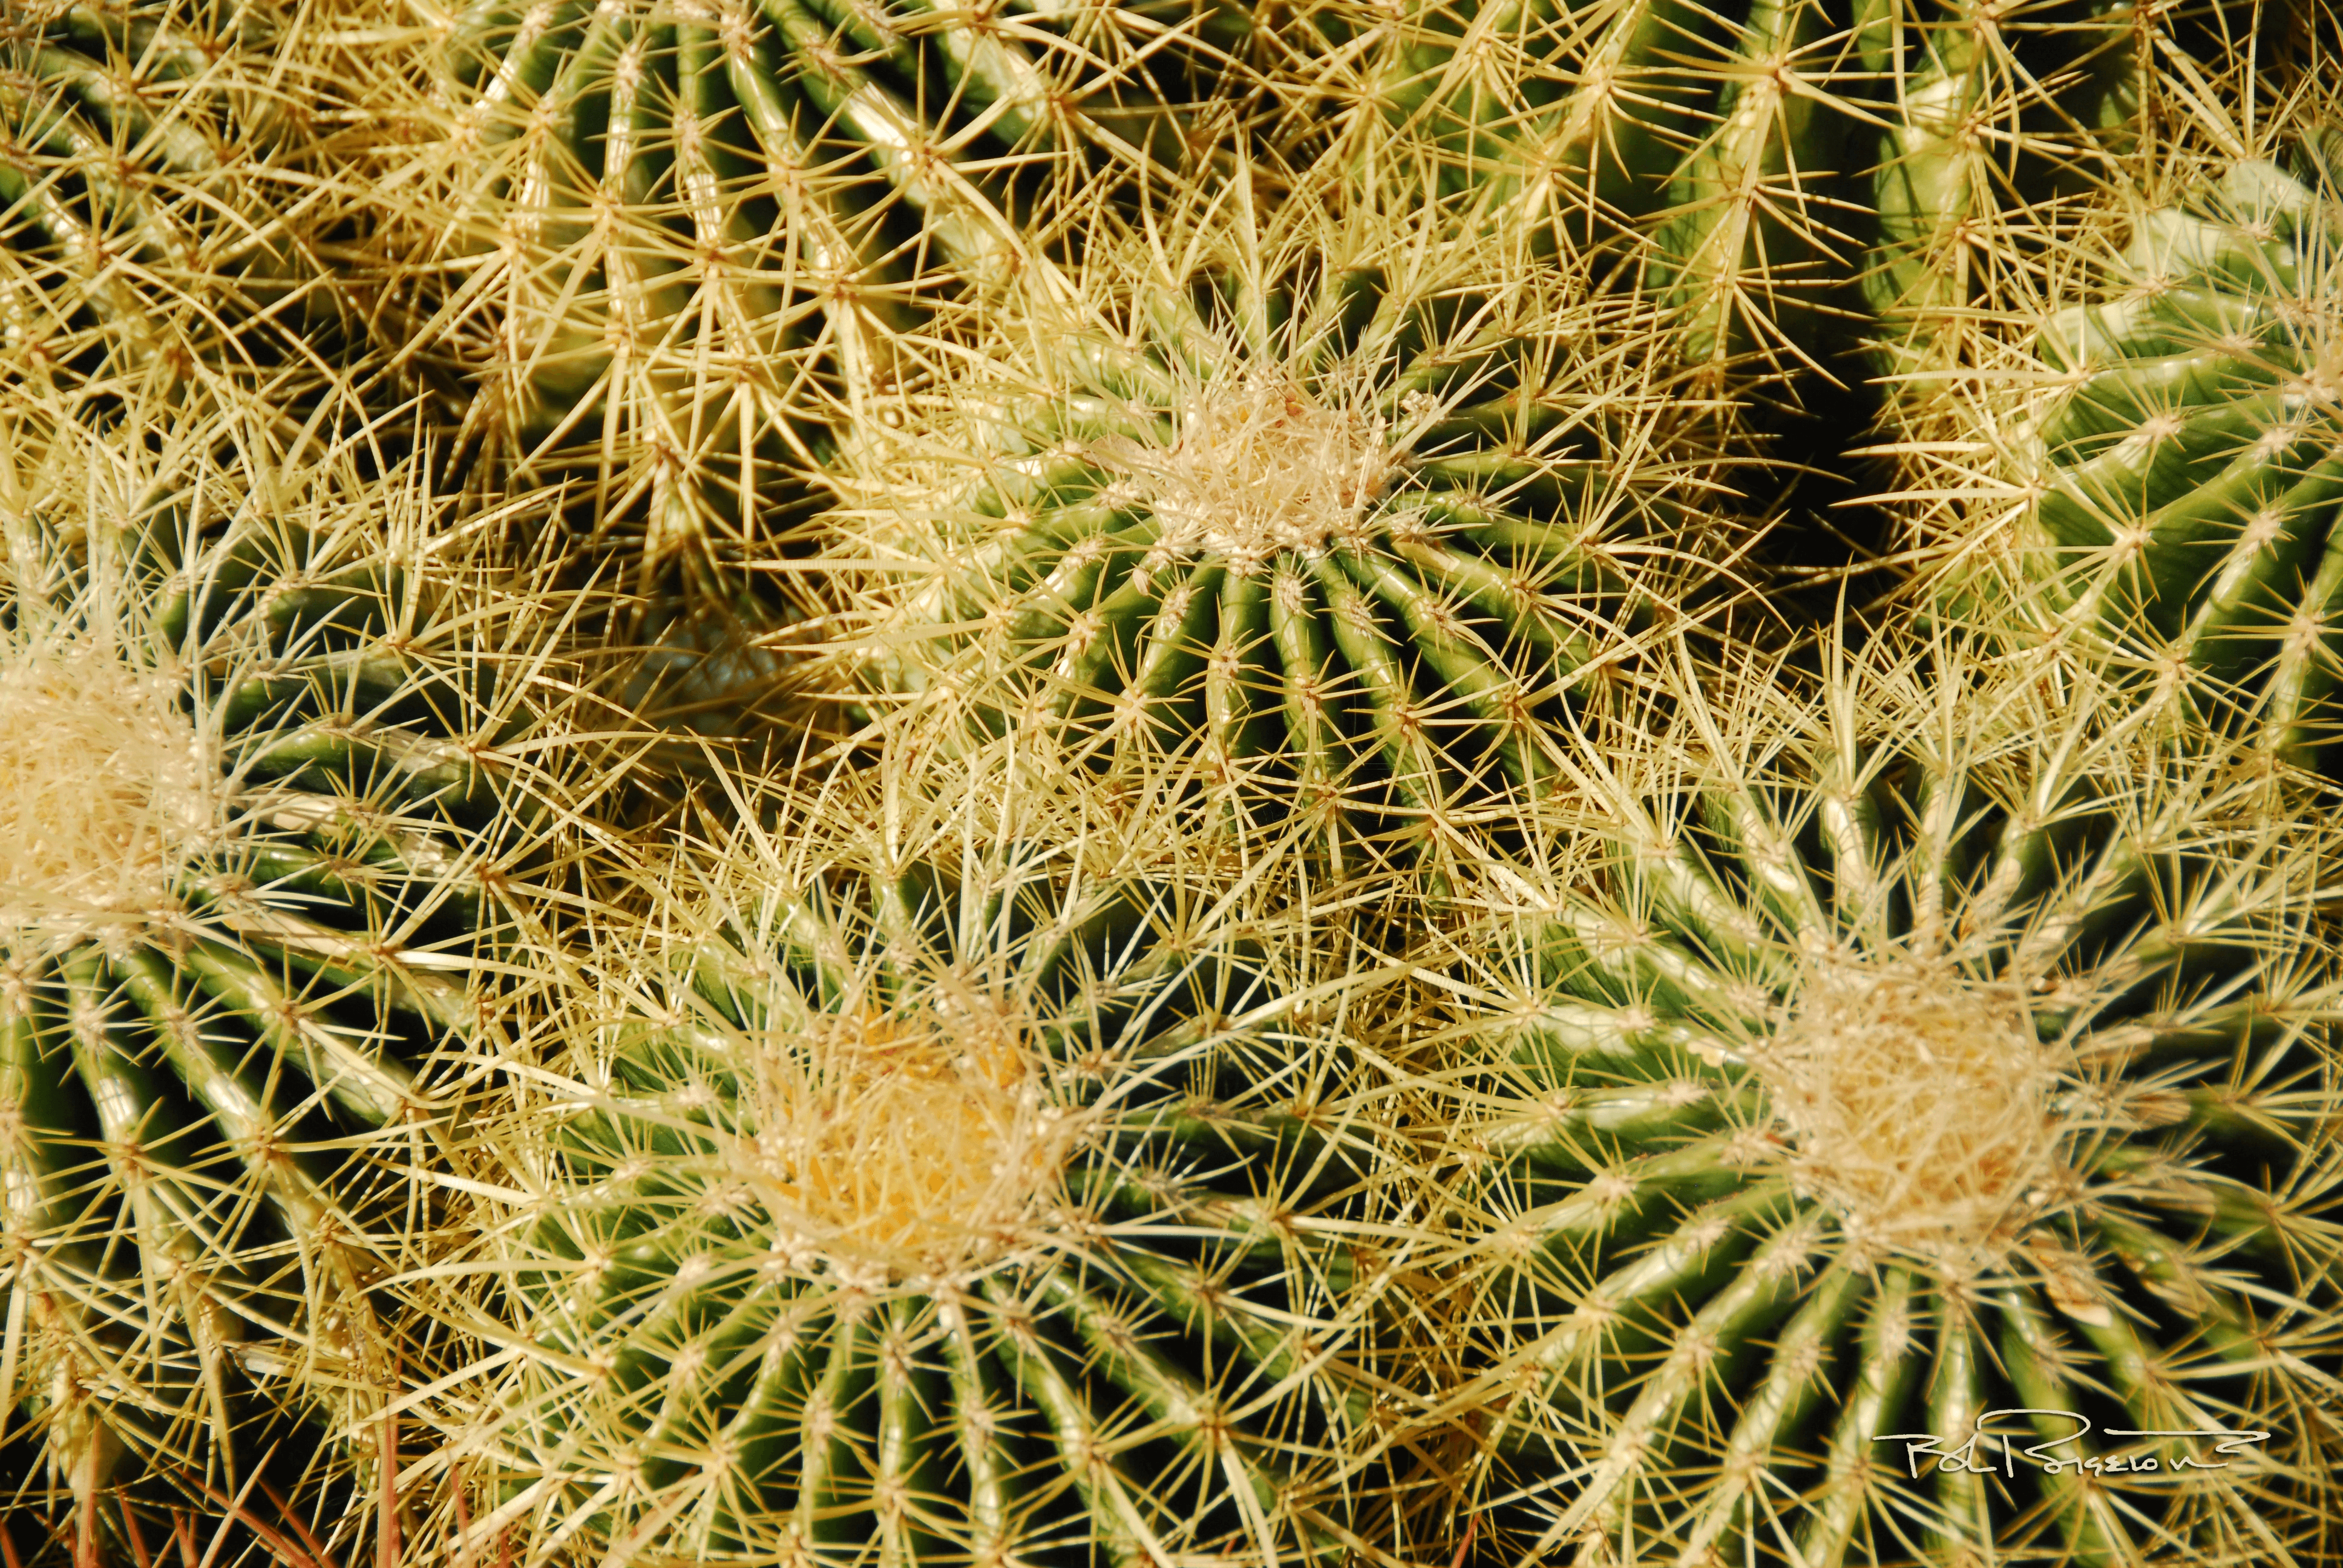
(1294,504)
(107,784)
(905,1148)
(1260,465)
(265,854)
(1918,1105)
(950,1165)
(1932,1047)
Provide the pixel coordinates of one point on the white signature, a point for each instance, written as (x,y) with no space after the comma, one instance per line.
(1987,1444)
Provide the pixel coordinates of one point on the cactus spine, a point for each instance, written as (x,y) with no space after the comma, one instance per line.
(693,233)
(1798,181)
(2163,464)
(1295,510)
(979,1159)
(162,198)
(1712,137)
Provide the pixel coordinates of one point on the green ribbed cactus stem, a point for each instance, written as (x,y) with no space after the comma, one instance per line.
(1966,167)
(689,235)
(271,794)
(1820,188)
(1900,1111)
(155,204)
(1713,139)
(955,1187)
(1454,82)
(1937,175)
(1748,242)
(2162,492)
(1522,111)
(1313,520)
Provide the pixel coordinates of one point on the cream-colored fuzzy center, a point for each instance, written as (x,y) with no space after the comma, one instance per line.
(1259,468)
(105,785)
(908,1148)
(1917,1103)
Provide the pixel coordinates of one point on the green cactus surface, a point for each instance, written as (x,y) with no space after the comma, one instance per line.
(2168,490)
(1998,114)
(1170,783)
(1716,136)
(1922,1108)
(1798,178)
(945,1192)
(151,202)
(267,811)
(708,229)
(1311,516)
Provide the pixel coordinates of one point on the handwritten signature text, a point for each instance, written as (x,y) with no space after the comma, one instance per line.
(1991,1450)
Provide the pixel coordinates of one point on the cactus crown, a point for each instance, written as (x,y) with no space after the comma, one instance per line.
(1257,467)
(273,828)
(930,1038)
(194,619)
(1939,1024)
(1296,503)
(948,1161)
(1259,378)
(904,1148)
(1916,1102)
(106,783)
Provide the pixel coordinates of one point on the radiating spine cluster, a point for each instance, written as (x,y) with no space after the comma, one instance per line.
(2163,464)
(1310,518)
(1046,781)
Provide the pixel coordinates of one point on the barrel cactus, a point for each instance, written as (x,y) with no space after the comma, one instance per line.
(158,198)
(975,1184)
(1908,1117)
(1999,117)
(272,791)
(1318,519)
(2157,463)
(1715,137)
(1797,179)
(689,234)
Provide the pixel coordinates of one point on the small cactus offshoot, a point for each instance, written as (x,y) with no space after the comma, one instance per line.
(1918,1137)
